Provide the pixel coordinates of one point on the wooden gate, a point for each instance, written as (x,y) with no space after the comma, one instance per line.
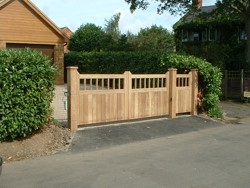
(99,98)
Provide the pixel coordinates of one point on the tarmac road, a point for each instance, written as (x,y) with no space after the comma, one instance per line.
(188,152)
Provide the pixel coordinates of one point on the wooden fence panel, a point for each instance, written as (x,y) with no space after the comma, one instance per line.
(236,83)
(148,96)
(183,92)
(100,98)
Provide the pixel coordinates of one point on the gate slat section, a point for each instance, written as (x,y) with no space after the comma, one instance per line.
(102,98)
(148,96)
(183,92)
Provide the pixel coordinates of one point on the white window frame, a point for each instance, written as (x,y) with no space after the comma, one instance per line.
(196,35)
(204,35)
(215,34)
(184,35)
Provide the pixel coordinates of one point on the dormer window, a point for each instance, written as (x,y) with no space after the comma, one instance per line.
(204,35)
(196,36)
(184,35)
(212,34)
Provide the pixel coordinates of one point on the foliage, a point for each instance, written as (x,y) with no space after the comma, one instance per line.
(112,27)
(88,38)
(242,8)
(223,55)
(149,62)
(226,9)
(115,62)
(227,52)
(27,85)
(210,77)
(173,6)
(155,38)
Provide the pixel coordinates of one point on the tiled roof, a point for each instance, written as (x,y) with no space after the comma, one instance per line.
(208,8)
(204,9)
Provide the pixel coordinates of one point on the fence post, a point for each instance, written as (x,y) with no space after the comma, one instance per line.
(226,84)
(172,92)
(127,87)
(194,91)
(73,97)
(242,82)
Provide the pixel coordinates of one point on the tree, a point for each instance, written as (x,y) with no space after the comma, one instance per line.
(173,6)
(242,7)
(87,38)
(155,38)
(112,27)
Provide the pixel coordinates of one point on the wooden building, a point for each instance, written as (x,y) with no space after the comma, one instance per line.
(24,25)
(68,33)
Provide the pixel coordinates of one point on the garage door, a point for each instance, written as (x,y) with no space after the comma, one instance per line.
(45,49)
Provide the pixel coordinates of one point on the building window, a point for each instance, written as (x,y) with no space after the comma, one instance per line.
(196,36)
(242,34)
(184,35)
(212,34)
(204,35)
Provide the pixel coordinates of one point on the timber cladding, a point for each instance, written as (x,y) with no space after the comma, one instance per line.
(100,98)
(24,25)
(20,23)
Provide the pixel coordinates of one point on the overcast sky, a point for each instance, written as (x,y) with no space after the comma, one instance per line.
(73,13)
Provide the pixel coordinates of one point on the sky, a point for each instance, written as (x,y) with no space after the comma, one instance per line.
(74,13)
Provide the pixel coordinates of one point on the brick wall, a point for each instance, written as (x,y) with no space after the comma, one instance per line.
(2,45)
(59,62)
(59,103)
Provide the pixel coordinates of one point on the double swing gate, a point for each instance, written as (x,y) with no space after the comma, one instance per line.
(102,98)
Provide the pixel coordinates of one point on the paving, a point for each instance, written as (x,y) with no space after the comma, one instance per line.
(188,152)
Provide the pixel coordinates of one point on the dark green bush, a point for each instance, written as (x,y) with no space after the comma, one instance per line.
(209,79)
(151,63)
(26,85)
(115,62)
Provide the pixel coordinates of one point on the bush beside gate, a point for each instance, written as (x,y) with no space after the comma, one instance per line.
(26,91)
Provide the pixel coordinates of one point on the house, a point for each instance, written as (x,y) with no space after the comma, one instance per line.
(68,33)
(217,38)
(24,25)
(199,27)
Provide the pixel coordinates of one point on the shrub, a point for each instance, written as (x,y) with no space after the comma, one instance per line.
(27,85)
(115,62)
(209,79)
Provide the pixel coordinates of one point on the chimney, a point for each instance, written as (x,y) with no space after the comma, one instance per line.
(197,3)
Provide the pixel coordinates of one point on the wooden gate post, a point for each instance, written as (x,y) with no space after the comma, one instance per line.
(172,92)
(242,83)
(73,97)
(194,91)
(127,87)
(226,84)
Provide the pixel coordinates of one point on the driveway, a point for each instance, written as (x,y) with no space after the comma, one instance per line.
(188,152)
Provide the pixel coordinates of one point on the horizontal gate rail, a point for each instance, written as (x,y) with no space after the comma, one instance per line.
(99,98)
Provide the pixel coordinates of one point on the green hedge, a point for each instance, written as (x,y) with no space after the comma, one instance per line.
(209,79)
(27,88)
(155,63)
(115,62)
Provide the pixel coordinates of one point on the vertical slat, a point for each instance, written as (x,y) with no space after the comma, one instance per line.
(194,91)
(85,84)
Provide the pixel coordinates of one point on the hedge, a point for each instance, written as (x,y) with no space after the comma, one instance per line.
(115,62)
(153,63)
(27,85)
